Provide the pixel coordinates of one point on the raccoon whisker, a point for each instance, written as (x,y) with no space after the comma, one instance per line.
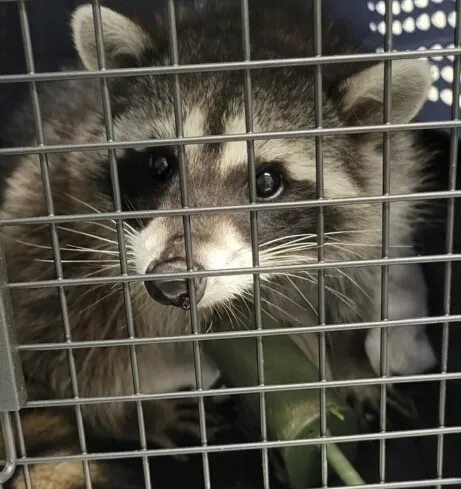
(100,269)
(290,259)
(247,296)
(352,231)
(216,310)
(100,300)
(287,249)
(226,310)
(85,204)
(236,253)
(327,336)
(335,292)
(244,318)
(366,245)
(302,295)
(355,283)
(246,301)
(347,301)
(120,283)
(110,319)
(104,226)
(289,245)
(287,261)
(136,297)
(130,233)
(294,258)
(89,235)
(309,278)
(79,261)
(293,238)
(102,249)
(140,308)
(209,328)
(281,294)
(91,290)
(229,311)
(283,311)
(130,204)
(283,238)
(239,315)
(262,252)
(339,246)
(32,245)
(67,248)
(352,252)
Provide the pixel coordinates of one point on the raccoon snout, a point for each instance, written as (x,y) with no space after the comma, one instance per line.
(174,292)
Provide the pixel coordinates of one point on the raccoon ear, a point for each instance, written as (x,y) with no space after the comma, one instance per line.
(124,41)
(363,93)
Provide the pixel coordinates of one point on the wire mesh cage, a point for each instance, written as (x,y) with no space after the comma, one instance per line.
(82,428)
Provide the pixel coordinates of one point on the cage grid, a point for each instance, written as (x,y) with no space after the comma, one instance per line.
(12,394)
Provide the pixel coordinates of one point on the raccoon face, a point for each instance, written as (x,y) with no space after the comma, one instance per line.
(218,174)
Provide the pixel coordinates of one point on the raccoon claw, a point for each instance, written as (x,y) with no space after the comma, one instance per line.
(188,420)
(180,418)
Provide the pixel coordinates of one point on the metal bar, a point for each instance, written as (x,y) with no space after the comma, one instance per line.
(25,31)
(102,62)
(390,435)
(22,450)
(318,96)
(386,186)
(187,226)
(103,216)
(248,103)
(449,237)
(246,390)
(240,334)
(301,133)
(228,66)
(12,385)
(233,271)
(9,466)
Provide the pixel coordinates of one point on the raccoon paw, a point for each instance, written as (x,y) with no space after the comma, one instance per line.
(177,422)
(188,418)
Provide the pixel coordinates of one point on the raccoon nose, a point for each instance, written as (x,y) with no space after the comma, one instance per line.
(173,291)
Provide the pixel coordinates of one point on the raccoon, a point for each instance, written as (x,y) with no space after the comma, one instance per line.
(212,104)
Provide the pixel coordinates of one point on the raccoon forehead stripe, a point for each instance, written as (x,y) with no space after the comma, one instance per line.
(137,124)
(194,123)
(298,156)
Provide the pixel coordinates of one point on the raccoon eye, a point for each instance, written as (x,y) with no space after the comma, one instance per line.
(269,184)
(161,167)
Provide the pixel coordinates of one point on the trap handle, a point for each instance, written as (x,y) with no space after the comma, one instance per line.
(12,383)
(10,449)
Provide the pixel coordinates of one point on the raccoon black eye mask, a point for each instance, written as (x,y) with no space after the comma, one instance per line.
(217,175)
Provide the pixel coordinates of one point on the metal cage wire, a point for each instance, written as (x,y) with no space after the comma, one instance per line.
(14,399)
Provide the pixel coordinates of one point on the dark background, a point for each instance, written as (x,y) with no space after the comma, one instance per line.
(407,459)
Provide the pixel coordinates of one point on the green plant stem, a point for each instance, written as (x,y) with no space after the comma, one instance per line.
(342,466)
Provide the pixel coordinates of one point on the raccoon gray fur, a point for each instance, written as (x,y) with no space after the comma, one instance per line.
(217,175)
